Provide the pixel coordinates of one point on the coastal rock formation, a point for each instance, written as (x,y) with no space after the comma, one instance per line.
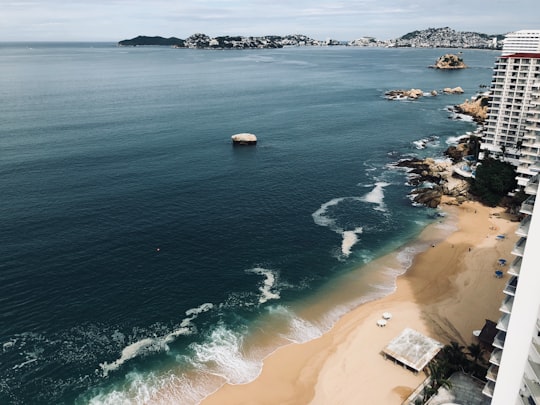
(468,146)
(434,183)
(415,94)
(455,90)
(424,170)
(449,61)
(244,139)
(476,107)
(411,94)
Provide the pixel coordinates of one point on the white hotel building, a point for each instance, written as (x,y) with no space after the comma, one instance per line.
(514,86)
(514,374)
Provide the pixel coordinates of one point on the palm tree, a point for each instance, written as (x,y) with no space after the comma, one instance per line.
(455,356)
(476,351)
(438,375)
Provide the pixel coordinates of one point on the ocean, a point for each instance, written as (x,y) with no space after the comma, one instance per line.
(144,259)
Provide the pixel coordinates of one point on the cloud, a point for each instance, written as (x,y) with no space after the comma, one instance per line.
(112,20)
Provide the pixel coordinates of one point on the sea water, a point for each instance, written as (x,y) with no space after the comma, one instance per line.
(145,259)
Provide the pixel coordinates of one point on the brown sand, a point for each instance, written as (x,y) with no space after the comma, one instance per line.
(447,293)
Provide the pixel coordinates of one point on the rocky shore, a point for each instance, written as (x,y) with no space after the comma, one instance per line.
(434,182)
(476,107)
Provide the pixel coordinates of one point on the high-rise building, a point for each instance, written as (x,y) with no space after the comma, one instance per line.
(514,374)
(513,129)
(515,79)
(530,144)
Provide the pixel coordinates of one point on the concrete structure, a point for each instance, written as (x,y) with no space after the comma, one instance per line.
(412,349)
(513,105)
(530,144)
(522,41)
(514,374)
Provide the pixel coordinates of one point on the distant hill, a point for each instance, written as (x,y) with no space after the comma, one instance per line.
(159,41)
(203,41)
(448,38)
(428,38)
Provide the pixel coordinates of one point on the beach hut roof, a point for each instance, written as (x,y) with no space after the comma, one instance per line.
(413,349)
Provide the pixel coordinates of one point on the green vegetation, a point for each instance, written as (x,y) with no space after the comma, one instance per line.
(453,358)
(494,180)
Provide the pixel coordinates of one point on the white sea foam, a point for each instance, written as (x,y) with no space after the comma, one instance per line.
(349,240)
(350,237)
(221,355)
(303,331)
(24,363)
(155,344)
(267,290)
(128,353)
(322,219)
(376,196)
(156,389)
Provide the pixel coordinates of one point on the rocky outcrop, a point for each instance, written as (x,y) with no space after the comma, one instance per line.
(455,90)
(449,61)
(244,139)
(434,183)
(467,146)
(411,94)
(476,107)
(415,94)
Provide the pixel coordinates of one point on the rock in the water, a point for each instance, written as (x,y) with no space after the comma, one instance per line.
(449,61)
(244,139)
(455,90)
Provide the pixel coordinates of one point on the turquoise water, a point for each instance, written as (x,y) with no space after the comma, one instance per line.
(144,257)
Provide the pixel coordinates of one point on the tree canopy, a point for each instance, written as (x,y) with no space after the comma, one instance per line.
(494,179)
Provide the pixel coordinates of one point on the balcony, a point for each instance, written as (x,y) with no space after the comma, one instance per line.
(499,339)
(523,229)
(519,248)
(536,347)
(492,373)
(533,387)
(532,187)
(527,206)
(515,267)
(488,389)
(495,357)
(503,325)
(510,287)
(506,306)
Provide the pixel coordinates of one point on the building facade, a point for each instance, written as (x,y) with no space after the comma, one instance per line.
(514,86)
(514,374)
(513,132)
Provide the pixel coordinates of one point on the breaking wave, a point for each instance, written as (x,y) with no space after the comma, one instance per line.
(156,344)
(267,289)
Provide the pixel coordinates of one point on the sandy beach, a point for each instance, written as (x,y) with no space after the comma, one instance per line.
(448,292)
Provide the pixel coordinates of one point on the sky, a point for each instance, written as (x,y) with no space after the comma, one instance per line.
(115,20)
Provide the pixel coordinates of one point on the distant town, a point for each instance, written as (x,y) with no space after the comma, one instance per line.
(428,38)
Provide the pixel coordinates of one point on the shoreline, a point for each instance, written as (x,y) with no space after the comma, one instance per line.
(434,296)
